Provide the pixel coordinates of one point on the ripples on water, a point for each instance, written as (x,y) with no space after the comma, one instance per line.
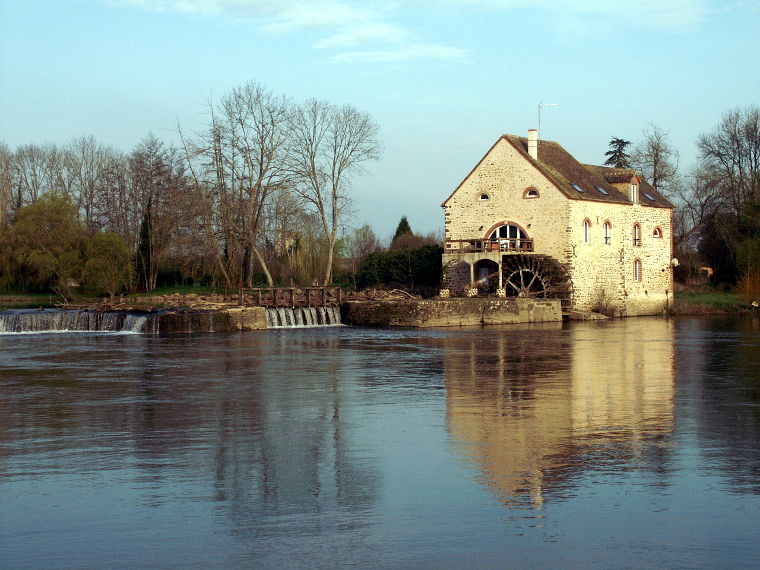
(629,443)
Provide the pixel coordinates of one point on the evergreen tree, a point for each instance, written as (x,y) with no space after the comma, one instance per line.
(617,156)
(403,228)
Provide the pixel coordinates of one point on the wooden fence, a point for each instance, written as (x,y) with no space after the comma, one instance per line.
(290,296)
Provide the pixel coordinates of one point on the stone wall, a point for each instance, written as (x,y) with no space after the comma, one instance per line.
(228,320)
(450,312)
(496,191)
(603,273)
(504,175)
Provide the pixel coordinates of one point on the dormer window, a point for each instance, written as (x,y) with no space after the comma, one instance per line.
(484,197)
(635,193)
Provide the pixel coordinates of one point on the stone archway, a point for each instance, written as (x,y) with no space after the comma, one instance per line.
(486,275)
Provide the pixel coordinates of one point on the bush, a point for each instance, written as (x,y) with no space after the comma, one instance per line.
(416,269)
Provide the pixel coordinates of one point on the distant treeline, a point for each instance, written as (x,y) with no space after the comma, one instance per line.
(260,195)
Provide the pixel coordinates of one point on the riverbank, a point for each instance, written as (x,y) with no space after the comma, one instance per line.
(710,303)
(686,302)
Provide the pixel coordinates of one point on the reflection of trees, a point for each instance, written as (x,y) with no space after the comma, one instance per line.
(257,419)
(724,386)
(297,460)
(537,408)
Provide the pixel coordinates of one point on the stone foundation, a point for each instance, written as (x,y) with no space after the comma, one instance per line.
(454,312)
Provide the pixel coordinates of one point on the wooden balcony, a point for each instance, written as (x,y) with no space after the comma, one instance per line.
(502,245)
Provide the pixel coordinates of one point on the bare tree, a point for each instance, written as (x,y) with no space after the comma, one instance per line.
(238,163)
(6,185)
(732,152)
(87,166)
(655,159)
(31,174)
(330,144)
(158,180)
(698,198)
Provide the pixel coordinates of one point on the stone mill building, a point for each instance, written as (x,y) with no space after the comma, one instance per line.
(531,221)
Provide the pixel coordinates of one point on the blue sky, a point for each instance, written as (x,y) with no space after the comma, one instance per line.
(442,78)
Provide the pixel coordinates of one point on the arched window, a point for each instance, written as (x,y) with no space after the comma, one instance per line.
(636,234)
(637,270)
(586,226)
(607,233)
(657,233)
(510,237)
(484,197)
(508,231)
(530,193)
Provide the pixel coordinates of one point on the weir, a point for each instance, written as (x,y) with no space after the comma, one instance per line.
(278,317)
(53,320)
(165,322)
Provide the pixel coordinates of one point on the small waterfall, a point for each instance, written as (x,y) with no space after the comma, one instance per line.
(53,320)
(278,317)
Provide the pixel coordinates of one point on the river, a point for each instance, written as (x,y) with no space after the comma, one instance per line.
(621,444)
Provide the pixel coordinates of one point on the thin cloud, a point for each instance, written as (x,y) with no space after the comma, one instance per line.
(403,53)
(363,34)
(663,14)
(297,16)
(367,28)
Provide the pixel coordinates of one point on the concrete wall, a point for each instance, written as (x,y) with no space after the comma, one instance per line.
(449,312)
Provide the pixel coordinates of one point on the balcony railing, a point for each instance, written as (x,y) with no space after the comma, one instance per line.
(488,245)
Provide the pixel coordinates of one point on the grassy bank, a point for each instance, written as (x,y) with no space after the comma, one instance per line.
(710,302)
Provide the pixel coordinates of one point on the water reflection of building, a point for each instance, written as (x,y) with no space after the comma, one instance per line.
(537,408)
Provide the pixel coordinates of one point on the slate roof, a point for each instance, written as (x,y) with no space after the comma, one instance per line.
(564,172)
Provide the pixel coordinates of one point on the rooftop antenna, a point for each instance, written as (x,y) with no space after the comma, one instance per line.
(542,104)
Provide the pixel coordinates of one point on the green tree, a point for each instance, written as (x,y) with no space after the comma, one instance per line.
(403,228)
(109,263)
(419,269)
(49,238)
(617,156)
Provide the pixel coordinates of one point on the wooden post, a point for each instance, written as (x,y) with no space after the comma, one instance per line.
(241,298)
(292,297)
(324,296)
(258,297)
(308,297)
(338,293)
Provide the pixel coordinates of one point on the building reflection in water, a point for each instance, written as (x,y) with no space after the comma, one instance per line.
(536,408)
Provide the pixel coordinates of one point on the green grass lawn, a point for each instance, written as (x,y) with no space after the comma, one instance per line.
(709,302)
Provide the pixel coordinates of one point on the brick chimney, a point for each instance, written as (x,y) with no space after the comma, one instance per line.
(533,143)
